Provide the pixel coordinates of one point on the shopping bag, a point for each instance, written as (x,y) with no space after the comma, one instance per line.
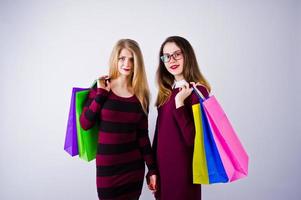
(233,155)
(87,139)
(71,145)
(207,164)
(199,164)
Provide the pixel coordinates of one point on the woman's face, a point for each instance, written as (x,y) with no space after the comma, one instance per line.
(173,59)
(125,62)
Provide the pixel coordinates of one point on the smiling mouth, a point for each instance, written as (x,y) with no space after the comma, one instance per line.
(174,66)
(126,69)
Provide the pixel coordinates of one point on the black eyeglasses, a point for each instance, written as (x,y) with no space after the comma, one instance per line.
(177,55)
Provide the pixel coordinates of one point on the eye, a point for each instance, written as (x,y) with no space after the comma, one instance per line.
(166,56)
(178,53)
(122,58)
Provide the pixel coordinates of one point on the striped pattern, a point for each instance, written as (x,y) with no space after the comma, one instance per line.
(123,144)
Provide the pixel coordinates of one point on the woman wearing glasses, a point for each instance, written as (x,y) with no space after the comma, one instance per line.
(121,105)
(174,135)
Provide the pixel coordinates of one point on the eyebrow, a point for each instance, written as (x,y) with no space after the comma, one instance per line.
(125,57)
(172,52)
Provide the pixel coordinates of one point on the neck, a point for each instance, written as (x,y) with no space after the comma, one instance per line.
(179,77)
(123,82)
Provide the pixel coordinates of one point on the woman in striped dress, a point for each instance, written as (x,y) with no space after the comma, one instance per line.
(120,104)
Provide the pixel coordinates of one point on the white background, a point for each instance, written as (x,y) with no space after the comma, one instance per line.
(248,50)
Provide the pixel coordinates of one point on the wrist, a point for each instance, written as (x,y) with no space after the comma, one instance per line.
(179,103)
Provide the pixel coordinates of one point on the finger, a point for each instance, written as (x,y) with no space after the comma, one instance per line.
(184,87)
(101,81)
(156,187)
(193,84)
(187,91)
(103,77)
(107,82)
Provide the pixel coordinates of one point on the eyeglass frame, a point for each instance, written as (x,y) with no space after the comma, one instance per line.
(172,55)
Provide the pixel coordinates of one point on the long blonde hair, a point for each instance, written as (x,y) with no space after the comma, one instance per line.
(191,71)
(137,80)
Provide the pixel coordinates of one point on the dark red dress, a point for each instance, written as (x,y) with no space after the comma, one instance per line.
(173,143)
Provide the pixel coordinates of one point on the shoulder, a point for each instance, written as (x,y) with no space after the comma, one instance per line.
(92,92)
(203,90)
(194,96)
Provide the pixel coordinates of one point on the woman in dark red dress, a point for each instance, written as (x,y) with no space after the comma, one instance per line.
(174,136)
(120,103)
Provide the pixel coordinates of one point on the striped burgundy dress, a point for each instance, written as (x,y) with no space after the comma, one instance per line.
(123,144)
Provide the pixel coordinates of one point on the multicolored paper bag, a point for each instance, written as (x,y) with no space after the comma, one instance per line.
(218,155)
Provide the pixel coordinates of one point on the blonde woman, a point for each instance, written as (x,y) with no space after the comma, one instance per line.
(120,102)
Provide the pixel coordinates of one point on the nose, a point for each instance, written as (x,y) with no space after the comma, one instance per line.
(127,62)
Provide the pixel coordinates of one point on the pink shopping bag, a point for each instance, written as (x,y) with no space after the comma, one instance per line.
(233,155)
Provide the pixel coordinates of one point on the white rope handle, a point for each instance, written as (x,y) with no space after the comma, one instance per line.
(196,90)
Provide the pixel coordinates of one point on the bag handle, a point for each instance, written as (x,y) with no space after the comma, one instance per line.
(94,84)
(198,93)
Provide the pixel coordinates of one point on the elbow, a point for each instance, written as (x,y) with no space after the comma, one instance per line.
(189,138)
(84,123)
(84,127)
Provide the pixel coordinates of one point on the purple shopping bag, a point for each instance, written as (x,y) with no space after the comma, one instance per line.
(233,155)
(71,145)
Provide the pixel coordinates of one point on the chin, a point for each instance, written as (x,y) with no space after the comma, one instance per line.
(175,73)
(125,73)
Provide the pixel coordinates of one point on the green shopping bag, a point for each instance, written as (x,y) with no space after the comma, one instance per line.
(87,139)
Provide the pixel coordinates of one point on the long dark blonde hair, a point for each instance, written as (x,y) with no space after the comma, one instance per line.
(137,80)
(191,71)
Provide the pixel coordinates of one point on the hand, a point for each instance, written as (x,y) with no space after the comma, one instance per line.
(104,83)
(195,84)
(153,184)
(185,91)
